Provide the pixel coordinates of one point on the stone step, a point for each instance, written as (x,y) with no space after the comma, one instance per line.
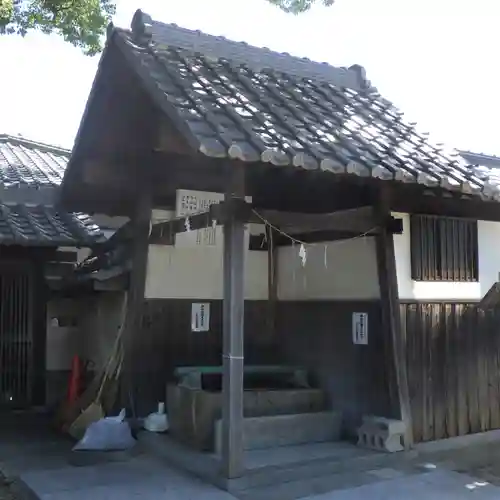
(286,430)
(304,466)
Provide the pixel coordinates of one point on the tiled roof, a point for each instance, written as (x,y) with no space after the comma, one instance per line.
(484,165)
(481,159)
(39,225)
(27,164)
(24,162)
(229,99)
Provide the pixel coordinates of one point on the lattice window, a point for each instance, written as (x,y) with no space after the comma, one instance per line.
(443,249)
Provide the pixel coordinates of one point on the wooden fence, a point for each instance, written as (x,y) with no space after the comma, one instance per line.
(453,357)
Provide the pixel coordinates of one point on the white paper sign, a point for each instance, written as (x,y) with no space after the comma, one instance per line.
(360,328)
(200,317)
(192,202)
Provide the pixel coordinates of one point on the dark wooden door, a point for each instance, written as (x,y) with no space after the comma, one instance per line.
(17,296)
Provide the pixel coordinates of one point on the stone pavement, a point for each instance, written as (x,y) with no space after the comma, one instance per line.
(144,478)
(139,477)
(435,485)
(42,461)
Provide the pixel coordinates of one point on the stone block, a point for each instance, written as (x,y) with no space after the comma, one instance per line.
(383,434)
(192,413)
(286,430)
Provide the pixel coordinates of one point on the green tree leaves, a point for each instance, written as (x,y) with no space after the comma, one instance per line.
(298,6)
(83,22)
(80,22)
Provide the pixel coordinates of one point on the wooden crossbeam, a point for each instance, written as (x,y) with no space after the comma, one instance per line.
(353,221)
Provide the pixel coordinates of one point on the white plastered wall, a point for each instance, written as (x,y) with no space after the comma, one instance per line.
(100,325)
(338,270)
(191,272)
(63,336)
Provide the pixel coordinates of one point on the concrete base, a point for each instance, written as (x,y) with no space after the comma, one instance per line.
(192,413)
(383,434)
(285,430)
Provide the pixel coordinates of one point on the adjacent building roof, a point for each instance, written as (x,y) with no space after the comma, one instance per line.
(480,159)
(484,165)
(28,168)
(29,163)
(230,99)
(45,226)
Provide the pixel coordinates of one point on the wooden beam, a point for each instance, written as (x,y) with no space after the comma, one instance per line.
(415,199)
(233,330)
(354,220)
(259,242)
(391,322)
(140,225)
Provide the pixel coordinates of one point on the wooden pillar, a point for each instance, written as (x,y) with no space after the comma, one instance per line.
(272,281)
(233,334)
(391,319)
(135,294)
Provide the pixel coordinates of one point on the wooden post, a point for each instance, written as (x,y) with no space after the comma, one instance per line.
(391,320)
(272,281)
(135,294)
(233,334)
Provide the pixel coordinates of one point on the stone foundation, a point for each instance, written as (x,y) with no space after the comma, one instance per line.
(192,413)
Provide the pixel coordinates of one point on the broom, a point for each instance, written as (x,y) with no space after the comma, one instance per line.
(110,375)
(95,410)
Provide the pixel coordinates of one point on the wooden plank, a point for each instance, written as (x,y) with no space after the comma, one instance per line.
(438,368)
(472,372)
(427,374)
(461,367)
(496,343)
(391,318)
(359,220)
(140,225)
(411,322)
(482,355)
(493,369)
(451,370)
(419,339)
(233,334)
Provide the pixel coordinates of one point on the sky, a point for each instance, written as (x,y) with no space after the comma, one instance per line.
(436,60)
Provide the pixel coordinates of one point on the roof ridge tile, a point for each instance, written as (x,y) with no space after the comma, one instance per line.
(145,30)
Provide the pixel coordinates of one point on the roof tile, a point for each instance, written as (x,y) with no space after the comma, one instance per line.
(24,162)
(30,164)
(39,225)
(231,99)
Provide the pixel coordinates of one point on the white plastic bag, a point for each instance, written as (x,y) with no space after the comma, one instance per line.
(107,434)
